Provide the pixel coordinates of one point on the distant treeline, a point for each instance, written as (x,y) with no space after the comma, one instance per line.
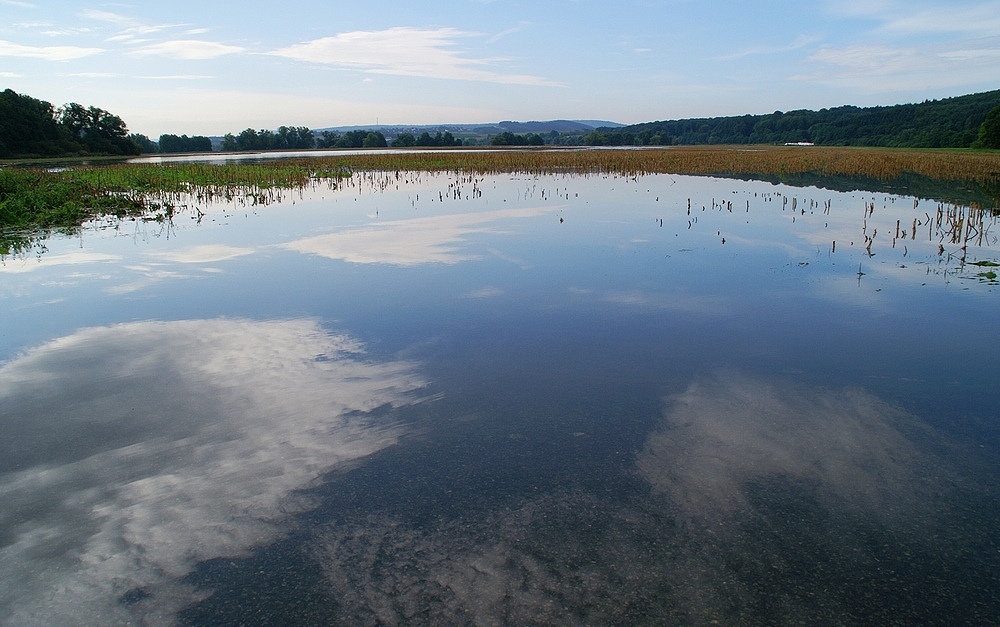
(34,128)
(183,143)
(959,122)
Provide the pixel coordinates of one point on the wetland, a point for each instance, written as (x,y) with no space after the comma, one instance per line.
(500,387)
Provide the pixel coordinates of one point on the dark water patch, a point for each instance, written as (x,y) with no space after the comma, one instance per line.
(278,585)
(985,195)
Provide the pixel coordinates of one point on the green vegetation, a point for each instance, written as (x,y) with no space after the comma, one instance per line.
(173,143)
(989,132)
(948,123)
(438,140)
(33,128)
(508,138)
(33,200)
(286,138)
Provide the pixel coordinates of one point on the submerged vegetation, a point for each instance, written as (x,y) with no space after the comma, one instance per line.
(35,198)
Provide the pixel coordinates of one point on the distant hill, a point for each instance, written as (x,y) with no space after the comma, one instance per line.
(486,128)
(947,123)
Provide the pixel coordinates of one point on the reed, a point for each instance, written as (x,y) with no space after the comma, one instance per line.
(37,198)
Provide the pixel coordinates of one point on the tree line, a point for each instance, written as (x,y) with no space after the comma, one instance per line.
(959,122)
(34,128)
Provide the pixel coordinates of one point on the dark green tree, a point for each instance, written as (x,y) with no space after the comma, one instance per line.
(183,143)
(98,130)
(374,139)
(989,130)
(404,140)
(327,139)
(28,127)
(145,144)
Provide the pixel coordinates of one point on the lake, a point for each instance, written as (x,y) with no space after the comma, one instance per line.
(416,398)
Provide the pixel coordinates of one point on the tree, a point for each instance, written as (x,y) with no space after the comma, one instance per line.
(989,131)
(327,139)
(145,144)
(29,127)
(173,143)
(374,139)
(98,130)
(404,140)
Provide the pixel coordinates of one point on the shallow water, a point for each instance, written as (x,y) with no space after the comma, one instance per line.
(424,398)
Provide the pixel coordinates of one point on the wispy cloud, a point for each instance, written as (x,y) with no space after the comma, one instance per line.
(510,31)
(975,18)
(66,259)
(132,30)
(208,253)
(177,77)
(884,67)
(48,53)
(187,49)
(416,241)
(405,51)
(800,42)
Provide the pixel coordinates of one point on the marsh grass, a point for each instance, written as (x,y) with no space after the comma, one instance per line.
(35,198)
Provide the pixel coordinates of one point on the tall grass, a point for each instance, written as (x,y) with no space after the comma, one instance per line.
(36,198)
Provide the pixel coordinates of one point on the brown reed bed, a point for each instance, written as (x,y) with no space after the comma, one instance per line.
(877,163)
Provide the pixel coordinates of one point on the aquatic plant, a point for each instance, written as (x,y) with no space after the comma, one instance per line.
(37,198)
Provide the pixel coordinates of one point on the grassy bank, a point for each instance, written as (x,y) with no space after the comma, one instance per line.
(36,198)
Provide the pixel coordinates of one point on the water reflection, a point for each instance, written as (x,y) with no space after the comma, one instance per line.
(553,313)
(410,242)
(143,448)
(729,432)
(773,502)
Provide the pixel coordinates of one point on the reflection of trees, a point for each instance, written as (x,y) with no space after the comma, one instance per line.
(982,194)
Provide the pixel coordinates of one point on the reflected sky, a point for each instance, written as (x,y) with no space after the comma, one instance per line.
(730,431)
(413,241)
(138,449)
(167,390)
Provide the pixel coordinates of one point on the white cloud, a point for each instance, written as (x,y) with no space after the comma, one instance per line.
(137,450)
(404,51)
(411,242)
(187,49)
(726,433)
(48,53)
(94,75)
(876,67)
(209,253)
(981,18)
(26,264)
(800,42)
(177,77)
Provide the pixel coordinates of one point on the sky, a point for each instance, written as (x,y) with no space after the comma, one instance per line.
(212,67)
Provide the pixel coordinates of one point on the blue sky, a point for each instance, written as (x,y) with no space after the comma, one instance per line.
(212,67)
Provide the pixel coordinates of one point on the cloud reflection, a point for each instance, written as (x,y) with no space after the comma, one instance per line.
(724,434)
(28,264)
(208,253)
(433,239)
(132,452)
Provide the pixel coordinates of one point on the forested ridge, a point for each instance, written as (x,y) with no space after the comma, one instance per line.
(948,123)
(34,128)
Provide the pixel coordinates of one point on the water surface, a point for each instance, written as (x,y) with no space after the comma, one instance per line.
(432,398)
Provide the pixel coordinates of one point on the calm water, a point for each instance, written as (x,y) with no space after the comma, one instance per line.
(420,398)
